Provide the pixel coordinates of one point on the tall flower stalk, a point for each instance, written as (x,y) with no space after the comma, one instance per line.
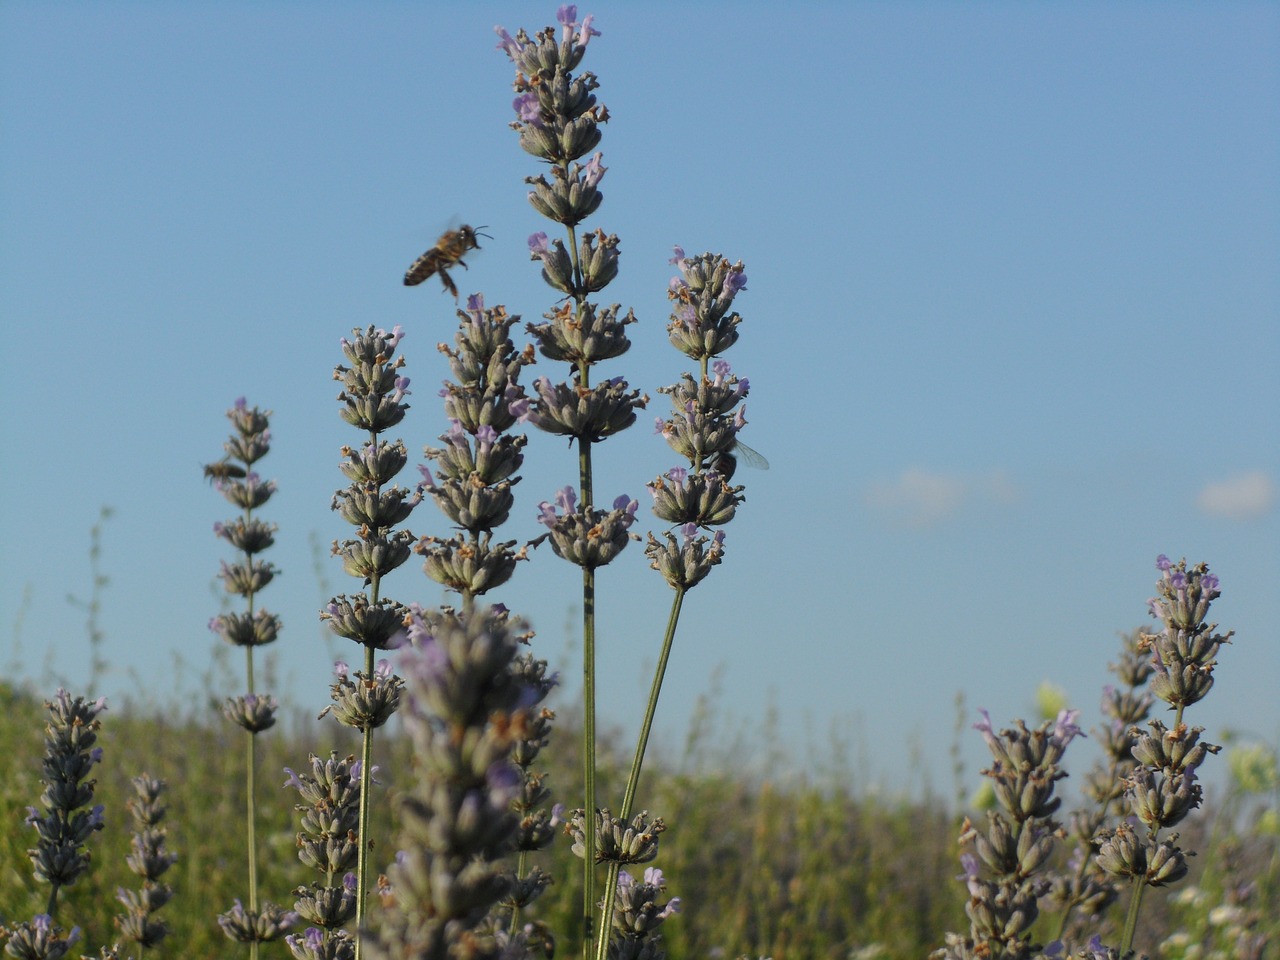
(1162,788)
(558,122)
(703,428)
(475,471)
(372,398)
(253,627)
(149,859)
(61,855)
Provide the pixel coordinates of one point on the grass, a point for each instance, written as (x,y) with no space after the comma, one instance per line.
(784,867)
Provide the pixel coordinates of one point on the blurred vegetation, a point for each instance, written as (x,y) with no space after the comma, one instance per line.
(785,867)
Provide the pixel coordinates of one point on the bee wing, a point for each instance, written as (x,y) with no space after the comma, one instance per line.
(751,457)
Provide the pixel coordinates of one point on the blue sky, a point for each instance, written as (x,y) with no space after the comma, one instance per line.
(1012,328)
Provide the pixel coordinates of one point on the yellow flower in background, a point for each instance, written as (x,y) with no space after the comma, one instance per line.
(1051,700)
(1253,768)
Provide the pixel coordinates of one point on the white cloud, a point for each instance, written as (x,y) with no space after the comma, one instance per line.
(1242,497)
(922,499)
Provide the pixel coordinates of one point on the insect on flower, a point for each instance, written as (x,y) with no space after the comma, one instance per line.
(223,470)
(448,252)
(726,463)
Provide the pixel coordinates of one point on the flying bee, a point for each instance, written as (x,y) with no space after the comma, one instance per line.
(726,463)
(223,470)
(448,252)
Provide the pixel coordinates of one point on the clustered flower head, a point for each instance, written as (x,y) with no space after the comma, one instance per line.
(363,701)
(639,915)
(617,840)
(1185,650)
(684,563)
(38,939)
(1003,873)
(584,413)
(696,499)
(587,537)
(245,925)
(254,712)
(701,324)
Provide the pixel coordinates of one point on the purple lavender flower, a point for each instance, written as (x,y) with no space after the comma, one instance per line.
(527,108)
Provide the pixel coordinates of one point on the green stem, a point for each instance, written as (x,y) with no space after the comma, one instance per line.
(588,645)
(366,760)
(251,795)
(588,756)
(522,862)
(53,901)
(1131,918)
(633,780)
(637,762)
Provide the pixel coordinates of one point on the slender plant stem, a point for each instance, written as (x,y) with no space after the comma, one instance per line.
(1131,918)
(362,855)
(633,779)
(588,756)
(522,862)
(251,792)
(588,692)
(53,900)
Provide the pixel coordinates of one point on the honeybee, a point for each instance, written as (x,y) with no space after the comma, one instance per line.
(448,252)
(726,464)
(223,470)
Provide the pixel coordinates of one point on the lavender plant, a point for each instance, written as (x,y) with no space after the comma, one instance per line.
(1162,788)
(253,627)
(61,855)
(558,121)
(466,710)
(372,400)
(149,859)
